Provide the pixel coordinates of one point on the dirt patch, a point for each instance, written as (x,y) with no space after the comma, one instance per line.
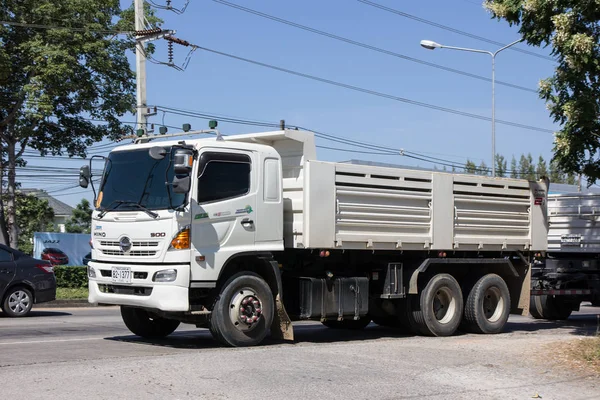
(581,355)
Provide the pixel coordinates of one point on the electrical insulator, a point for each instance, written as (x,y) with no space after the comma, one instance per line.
(170,50)
(169,4)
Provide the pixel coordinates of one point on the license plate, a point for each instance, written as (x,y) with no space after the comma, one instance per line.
(122,274)
(570,240)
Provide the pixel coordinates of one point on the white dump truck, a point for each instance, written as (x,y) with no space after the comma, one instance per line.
(570,273)
(244,234)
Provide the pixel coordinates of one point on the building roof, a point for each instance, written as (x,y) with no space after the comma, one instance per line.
(60,209)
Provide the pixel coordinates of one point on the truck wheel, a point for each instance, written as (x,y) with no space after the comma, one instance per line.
(438,309)
(350,324)
(554,308)
(243,311)
(145,324)
(535,308)
(488,305)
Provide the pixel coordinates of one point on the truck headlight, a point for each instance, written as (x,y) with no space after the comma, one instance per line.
(91,272)
(165,275)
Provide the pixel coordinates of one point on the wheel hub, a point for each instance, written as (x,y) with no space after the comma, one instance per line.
(444,305)
(18,302)
(245,310)
(493,304)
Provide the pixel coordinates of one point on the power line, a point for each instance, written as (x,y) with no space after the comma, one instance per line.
(376,93)
(450,29)
(370,47)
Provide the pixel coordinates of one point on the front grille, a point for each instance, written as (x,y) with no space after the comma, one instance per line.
(133,244)
(107,273)
(130,290)
(132,253)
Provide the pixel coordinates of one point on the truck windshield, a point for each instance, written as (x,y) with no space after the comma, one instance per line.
(132,178)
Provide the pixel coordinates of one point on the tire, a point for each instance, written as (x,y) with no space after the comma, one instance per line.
(553,308)
(143,323)
(535,308)
(17,302)
(349,324)
(488,305)
(236,304)
(438,309)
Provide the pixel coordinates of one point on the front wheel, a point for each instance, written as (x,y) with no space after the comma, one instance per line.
(550,307)
(145,324)
(17,302)
(243,311)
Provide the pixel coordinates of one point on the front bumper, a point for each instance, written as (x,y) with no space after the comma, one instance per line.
(141,292)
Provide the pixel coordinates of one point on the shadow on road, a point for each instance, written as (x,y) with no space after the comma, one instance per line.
(578,324)
(39,314)
(582,324)
(202,339)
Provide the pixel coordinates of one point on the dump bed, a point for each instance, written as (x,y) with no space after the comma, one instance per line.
(574,223)
(345,206)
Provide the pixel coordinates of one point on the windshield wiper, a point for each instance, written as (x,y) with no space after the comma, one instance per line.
(117,203)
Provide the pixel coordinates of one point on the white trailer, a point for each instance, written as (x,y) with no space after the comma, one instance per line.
(242,235)
(570,272)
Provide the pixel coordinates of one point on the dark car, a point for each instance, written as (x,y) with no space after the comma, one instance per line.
(24,281)
(55,256)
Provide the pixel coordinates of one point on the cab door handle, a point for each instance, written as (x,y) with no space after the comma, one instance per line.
(247,222)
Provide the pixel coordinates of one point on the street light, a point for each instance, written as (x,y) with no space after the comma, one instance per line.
(431,45)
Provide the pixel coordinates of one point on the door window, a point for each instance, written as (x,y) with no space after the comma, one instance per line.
(223,176)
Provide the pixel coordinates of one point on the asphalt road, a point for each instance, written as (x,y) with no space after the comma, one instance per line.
(88,353)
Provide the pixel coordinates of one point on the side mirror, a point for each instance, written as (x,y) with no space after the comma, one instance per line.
(84,176)
(181,185)
(183,161)
(157,152)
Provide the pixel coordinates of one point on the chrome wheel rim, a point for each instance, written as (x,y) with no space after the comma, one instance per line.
(245,310)
(19,302)
(444,305)
(493,304)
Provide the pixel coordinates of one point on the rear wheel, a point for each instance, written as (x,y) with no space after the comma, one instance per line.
(551,307)
(488,305)
(438,309)
(145,324)
(243,312)
(17,302)
(350,324)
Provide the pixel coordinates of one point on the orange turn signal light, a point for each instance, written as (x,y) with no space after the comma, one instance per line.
(182,240)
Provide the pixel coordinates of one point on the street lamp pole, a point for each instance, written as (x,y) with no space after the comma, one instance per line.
(429,45)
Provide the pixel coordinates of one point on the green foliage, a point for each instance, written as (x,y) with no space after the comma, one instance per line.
(526,167)
(470,167)
(71,277)
(500,165)
(541,169)
(53,82)
(81,220)
(514,173)
(33,215)
(63,293)
(572,94)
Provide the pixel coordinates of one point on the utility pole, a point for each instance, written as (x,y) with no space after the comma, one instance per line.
(140,67)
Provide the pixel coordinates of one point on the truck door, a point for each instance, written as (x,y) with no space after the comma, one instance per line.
(7,270)
(223,211)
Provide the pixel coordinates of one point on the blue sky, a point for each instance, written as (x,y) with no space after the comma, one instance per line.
(219,85)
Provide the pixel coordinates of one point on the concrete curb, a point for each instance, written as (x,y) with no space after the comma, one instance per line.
(65,303)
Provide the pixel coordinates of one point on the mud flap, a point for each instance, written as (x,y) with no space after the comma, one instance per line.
(281,328)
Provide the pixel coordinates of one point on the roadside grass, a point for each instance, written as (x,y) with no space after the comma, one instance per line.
(71,293)
(587,351)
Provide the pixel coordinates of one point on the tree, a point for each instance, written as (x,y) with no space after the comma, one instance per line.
(541,169)
(483,169)
(514,172)
(81,219)
(500,165)
(51,78)
(572,93)
(556,175)
(470,167)
(33,215)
